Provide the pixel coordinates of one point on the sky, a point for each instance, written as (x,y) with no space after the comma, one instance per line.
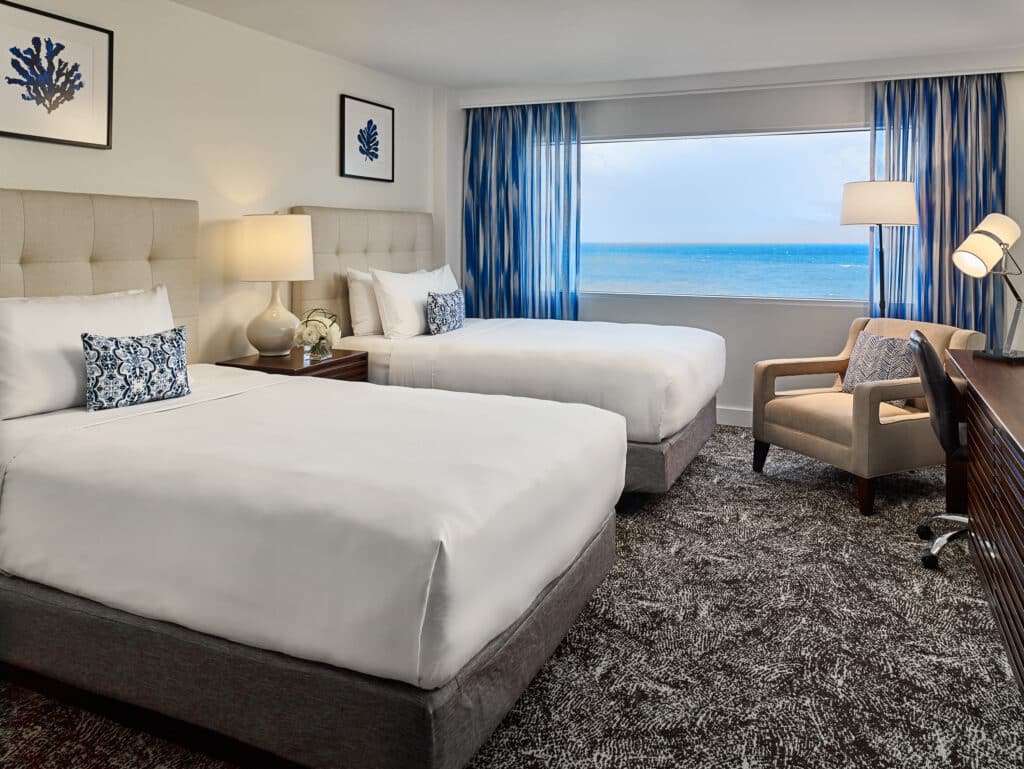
(781,188)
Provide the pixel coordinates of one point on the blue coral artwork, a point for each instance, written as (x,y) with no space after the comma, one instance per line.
(46,79)
(367,140)
(56,78)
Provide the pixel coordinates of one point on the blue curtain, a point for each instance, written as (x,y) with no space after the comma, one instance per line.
(948,135)
(521,219)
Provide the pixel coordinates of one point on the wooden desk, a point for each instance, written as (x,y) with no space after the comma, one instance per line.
(994,405)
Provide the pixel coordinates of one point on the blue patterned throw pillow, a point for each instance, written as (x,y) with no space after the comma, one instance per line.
(445,312)
(125,371)
(876,358)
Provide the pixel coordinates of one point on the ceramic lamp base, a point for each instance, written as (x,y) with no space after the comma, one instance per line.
(272,332)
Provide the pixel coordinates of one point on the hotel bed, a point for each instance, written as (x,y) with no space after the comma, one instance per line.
(337,573)
(662,379)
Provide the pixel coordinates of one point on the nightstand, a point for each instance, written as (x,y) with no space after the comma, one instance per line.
(350,365)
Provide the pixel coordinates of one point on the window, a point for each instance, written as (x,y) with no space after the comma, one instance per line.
(745,215)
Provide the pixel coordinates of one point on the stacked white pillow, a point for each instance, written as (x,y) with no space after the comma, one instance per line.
(402,298)
(362,304)
(42,366)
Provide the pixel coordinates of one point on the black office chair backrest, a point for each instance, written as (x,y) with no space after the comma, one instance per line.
(938,391)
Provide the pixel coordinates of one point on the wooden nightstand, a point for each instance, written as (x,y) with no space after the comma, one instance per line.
(350,365)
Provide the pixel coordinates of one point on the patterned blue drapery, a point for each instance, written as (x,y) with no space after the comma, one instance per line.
(948,135)
(521,219)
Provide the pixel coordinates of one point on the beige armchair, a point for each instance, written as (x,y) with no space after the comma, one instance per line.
(860,432)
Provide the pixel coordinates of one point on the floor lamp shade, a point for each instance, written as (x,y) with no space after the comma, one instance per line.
(275,248)
(880,202)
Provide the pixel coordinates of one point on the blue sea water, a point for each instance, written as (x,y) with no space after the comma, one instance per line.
(792,270)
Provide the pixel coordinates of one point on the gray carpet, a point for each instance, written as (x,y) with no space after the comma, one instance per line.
(751,621)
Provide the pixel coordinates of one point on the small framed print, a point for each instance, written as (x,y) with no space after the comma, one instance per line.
(57,82)
(367,140)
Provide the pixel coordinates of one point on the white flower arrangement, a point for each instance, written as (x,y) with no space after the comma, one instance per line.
(319,331)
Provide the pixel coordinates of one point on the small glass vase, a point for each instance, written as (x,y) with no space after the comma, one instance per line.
(315,352)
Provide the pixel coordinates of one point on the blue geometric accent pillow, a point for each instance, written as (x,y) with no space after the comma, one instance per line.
(129,370)
(445,312)
(876,358)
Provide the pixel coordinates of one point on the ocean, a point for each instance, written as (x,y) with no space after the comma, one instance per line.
(791,270)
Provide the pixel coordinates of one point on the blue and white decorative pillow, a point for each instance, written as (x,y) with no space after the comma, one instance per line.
(445,312)
(876,358)
(125,371)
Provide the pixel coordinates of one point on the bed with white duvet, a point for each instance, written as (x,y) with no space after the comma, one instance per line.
(388,531)
(657,377)
(375,273)
(336,573)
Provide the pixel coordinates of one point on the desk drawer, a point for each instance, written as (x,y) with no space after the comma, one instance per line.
(995,490)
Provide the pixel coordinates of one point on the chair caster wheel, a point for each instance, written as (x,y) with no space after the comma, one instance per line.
(925,532)
(930,561)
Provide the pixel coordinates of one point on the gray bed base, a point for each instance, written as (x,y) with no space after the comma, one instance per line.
(309,713)
(654,467)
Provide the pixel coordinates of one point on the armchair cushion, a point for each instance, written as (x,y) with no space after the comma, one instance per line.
(826,415)
(878,358)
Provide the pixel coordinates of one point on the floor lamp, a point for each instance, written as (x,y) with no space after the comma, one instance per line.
(981,254)
(880,203)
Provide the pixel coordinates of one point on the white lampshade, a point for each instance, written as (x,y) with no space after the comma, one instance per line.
(982,250)
(880,202)
(276,247)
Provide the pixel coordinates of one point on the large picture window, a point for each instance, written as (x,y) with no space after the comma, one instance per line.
(744,215)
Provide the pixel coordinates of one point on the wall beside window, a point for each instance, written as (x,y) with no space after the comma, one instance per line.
(754,328)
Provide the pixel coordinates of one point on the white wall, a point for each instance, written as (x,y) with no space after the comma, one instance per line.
(238,120)
(809,108)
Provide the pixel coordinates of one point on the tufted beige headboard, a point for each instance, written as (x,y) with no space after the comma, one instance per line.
(398,241)
(55,243)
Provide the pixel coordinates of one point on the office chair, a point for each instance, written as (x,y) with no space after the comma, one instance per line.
(939,392)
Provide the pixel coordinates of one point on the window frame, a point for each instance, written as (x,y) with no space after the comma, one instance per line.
(742,298)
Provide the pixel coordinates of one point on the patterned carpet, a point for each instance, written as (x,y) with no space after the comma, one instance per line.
(751,621)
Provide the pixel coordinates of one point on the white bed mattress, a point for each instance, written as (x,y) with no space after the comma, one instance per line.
(657,377)
(382,529)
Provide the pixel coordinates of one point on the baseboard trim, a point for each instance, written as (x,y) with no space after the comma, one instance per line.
(735,416)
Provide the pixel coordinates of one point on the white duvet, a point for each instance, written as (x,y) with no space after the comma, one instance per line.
(381,529)
(657,377)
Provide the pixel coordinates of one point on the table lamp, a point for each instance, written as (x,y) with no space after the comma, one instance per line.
(981,254)
(275,248)
(879,203)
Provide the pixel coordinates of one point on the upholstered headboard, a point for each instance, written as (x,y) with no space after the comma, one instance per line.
(54,243)
(398,241)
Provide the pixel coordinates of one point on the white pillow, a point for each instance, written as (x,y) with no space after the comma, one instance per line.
(362,304)
(402,299)
(42,366)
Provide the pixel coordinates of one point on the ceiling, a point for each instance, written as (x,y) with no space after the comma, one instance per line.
(480,43)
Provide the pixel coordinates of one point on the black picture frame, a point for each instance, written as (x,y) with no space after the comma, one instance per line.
(345,130)
(109,112)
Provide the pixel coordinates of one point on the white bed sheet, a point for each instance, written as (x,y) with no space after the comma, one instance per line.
(657,377)
(386,530)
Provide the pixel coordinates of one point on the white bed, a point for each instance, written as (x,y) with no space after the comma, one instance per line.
(310,524)
(657,377)
(301,564)
(662,379)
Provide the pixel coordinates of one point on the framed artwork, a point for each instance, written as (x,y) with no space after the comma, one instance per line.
(57,82)
(367,140)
